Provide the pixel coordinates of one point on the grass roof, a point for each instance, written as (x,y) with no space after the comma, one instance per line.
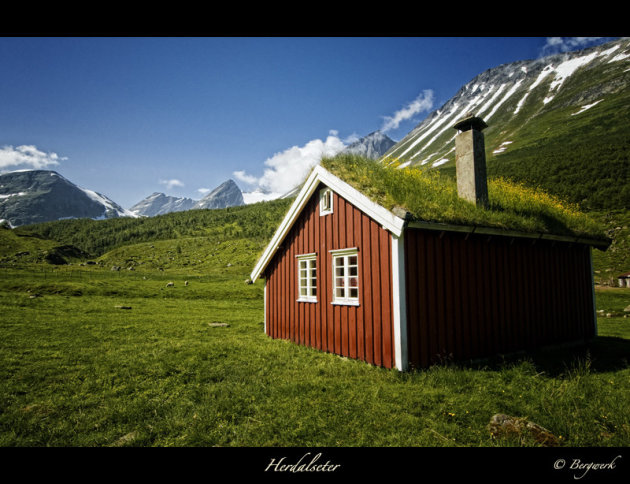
(429,196)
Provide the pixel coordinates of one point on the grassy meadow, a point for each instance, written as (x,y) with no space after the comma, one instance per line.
(95,357)
(97,349)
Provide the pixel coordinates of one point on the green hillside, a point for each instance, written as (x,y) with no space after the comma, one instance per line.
(21,248)
(616,260)
(230,240)
(255,222)
(201,255)
(571,140)
(27,248)
(584,160)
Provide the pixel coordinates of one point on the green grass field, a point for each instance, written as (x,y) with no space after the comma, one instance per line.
(78,369)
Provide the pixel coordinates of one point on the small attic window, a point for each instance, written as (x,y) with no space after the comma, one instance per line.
(325,201)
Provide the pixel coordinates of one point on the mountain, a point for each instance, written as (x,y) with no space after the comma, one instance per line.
(32,196)
(228,194)
(373,146)
(159,204)
(558,122)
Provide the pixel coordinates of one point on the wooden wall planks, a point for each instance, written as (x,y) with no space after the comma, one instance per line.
(471,296)
(365,331)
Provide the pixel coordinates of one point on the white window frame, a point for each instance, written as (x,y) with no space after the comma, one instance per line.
(305,279)
(344,255)
(325,201)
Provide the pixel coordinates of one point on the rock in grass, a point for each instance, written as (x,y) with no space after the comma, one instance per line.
(125,439)
(501,426)
(216,325)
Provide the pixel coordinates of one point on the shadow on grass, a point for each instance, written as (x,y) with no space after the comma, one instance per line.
(599,355)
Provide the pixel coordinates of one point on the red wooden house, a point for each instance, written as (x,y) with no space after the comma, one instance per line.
(347,276)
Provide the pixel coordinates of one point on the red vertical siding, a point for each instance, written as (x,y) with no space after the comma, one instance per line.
(365,331)
(412,304)
(387,327)
(359,322)
(475,295)
(366,290)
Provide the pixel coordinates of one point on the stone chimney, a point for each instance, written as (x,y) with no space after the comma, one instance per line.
(470,160)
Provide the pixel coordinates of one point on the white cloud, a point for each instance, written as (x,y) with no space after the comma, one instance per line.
(555,45)
(352,138)
(289,168)
(27,156)
(203,191)
(424,102)
(244,177)
(172,183)
(258,196)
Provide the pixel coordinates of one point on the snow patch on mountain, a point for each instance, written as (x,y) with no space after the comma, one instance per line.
(435,126)
(543,74)
(108,204)
(511,85)
(588,106)
(502,147)
(508,95)
(564,71)
(492,100)
(7,195)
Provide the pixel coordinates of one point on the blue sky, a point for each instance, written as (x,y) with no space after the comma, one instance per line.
(130,116)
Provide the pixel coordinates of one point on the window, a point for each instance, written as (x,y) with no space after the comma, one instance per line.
(325,201)
(307,277)
(345,276)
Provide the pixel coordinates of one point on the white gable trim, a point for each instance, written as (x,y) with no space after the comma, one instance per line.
(388,220)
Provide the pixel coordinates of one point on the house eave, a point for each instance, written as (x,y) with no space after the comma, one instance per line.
(598,243)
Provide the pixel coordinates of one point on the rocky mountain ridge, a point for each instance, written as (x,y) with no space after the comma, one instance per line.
(513,95)
(32,196)
(159,203)
(228,194)
(373,146)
